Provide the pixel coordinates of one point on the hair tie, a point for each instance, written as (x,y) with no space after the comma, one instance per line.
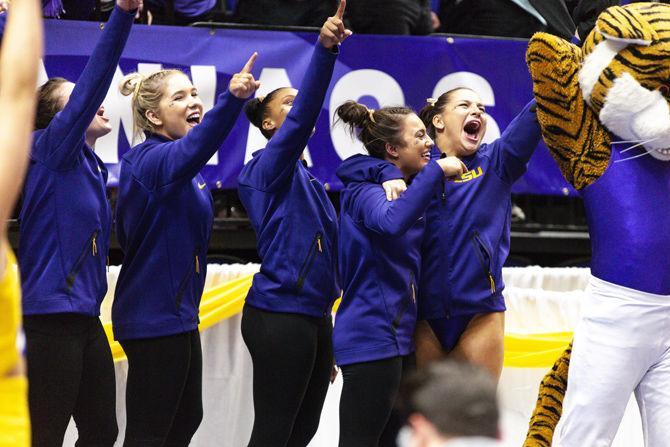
(371,114)
(137,87)
(431,101)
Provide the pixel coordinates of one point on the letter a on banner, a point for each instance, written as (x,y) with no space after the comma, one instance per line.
(204,79)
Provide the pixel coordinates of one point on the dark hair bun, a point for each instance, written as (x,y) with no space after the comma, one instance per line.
(354,114)
(253,109)
(426,115)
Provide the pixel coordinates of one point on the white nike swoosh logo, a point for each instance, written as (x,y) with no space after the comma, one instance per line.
(202,186)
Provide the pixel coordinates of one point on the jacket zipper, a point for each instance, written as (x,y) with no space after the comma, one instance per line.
(72,276)
(307,263)
(185,280)
(405,303)
(479,245)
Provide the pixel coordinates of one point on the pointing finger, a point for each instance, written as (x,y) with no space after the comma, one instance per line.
(250,63)
(340,10)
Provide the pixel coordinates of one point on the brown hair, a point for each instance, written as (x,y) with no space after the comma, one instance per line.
(49,102)
(257,110)
(375,127)
(147,92)
(435,107)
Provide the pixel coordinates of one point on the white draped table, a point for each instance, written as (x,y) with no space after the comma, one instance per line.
(539,300)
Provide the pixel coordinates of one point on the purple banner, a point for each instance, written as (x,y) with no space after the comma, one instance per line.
(376,70)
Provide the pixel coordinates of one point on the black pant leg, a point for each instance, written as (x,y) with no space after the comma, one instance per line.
(283,350)
(307,421)
(368,394)
(157,372)
(189,414)
(54,355)
(398,418)
(95,410)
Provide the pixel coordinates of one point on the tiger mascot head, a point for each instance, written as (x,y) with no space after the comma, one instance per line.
(624,76)
(615,88)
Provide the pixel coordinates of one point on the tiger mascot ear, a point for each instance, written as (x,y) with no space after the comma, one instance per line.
(570,128)
(625,26)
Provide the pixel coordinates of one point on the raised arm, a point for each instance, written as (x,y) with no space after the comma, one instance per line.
(21,50)
(182,159)
(285,147)
(396,217)
(516,145)
(59,145)
(575,138)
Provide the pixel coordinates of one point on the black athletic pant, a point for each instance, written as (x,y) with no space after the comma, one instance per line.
(164,390)
(292,356)
(71,373)
(368,395)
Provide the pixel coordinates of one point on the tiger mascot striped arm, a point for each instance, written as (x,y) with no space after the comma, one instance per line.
(580,146)
(575,138)
(568,128)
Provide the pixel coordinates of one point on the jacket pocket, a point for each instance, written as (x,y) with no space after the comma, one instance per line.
(186,279)
(485,259)
(90,248)
(409,299)
(315,249)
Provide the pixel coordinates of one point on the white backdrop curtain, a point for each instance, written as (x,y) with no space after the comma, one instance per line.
(539,300)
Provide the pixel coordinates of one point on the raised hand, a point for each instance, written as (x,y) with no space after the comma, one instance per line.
(393,188)
(243,85)
(452,166)
(129,5)
(333,31)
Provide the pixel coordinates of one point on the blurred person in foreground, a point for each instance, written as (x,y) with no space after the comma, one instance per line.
(453,404)
(21,50)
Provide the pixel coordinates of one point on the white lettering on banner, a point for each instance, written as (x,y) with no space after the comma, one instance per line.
(204,78)
(41,73)
(118,110)
(270,79)
(353,86)
(481,86)
(147,69)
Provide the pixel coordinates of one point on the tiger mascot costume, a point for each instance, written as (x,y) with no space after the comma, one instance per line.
(605,116)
